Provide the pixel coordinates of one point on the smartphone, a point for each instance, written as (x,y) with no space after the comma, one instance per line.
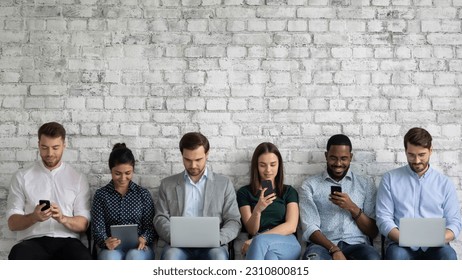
(47,202)
(335,189)
(269,187)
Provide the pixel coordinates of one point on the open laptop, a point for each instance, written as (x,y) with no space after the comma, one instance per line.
(195,232)
(422,232)
(128,235)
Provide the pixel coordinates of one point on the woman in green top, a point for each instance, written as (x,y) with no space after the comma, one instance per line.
(270,220)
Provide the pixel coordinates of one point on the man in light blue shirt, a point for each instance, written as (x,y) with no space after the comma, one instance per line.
(417,191)
(338,225)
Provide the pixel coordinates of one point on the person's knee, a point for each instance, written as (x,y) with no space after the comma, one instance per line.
(373,256)
(446,253)
(170,253)
(110,255)
(397,253)
(23,251)
(218,254)
(316,252)
(259,241)
(135,254)
(14,252)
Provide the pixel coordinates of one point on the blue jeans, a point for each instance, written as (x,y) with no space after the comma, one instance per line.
(132,254)
(351,252)
(174,253)
(395,252)
(274,247)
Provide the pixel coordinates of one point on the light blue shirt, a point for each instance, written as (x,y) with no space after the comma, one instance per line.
(194,195)
(403,194)
(317,212)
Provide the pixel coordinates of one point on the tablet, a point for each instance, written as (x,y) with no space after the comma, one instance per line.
(128,234)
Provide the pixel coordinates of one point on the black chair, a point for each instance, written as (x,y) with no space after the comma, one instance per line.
(382,246)
(231,250)
(91,245)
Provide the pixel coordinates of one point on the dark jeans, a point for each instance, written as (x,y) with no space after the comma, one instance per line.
(395,252)
(352,252)
(50,248)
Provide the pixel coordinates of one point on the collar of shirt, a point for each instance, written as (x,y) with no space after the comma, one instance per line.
(415,175)
(327,177)
(201,180)
(54,171)
(131,186)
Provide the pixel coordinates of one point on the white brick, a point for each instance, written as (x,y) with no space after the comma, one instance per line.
(12,102)
(280,77)
(329,117)
(136,103)
(89,130)
(238,77)
(298,104)
(216,104)
(129,130)
(278,104)
(237,104)
(451,130)
(215,51)
(211,117)
(114,103)
(297,25)
(276,25)
(390,130)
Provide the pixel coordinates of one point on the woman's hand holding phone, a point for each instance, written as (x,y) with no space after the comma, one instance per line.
(267,196)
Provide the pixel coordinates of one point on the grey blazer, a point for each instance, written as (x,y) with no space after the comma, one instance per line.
(220,201)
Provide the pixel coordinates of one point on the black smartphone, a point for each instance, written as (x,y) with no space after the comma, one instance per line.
(269,187)
(335,189)
(46,202)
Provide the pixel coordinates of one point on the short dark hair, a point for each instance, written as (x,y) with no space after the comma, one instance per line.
(263,148)
(53,130)
(418,137)
(121,155)
(339,140)
(193,140)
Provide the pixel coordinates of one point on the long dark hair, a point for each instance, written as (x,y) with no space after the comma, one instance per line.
(121,155)
(255,180)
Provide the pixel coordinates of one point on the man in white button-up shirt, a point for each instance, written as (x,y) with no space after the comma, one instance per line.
(49,232)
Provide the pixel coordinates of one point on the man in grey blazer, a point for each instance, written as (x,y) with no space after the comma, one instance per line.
(197,191)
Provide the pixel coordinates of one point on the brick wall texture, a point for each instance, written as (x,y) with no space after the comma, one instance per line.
(293,72)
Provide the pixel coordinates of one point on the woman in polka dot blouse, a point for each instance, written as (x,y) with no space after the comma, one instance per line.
(122,202)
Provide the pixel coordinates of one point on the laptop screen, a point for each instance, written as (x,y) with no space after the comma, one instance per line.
(195,232)
(422,232)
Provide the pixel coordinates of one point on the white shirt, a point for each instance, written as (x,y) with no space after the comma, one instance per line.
(64,186)
(194,195)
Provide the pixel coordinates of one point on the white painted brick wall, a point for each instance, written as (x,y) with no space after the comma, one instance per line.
(292,72)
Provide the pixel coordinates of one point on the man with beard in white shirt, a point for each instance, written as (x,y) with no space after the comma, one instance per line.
(49,230)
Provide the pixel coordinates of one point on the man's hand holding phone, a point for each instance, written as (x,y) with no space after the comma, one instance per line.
(42,211)
(340,198)
(334,189)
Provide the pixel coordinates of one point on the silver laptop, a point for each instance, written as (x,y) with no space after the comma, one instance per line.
(128,235)
(195,232)
(422,232)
